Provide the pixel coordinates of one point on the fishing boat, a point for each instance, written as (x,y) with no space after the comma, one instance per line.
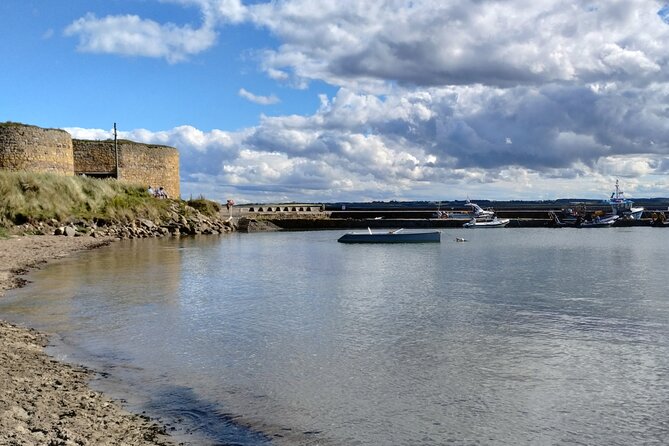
(567,219)
(599,222)
(624,207)
(580,222)
(396,236)
(487,223)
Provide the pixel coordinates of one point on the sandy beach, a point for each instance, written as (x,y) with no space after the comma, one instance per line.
(43,401)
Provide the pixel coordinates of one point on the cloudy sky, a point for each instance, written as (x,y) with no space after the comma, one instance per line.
(309,100)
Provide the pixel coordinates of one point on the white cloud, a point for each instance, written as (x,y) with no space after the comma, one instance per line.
(447,42)
(262,100)
(225,11)
(508,99)
(90,134)
(131,35)
(429,43)
(627,166)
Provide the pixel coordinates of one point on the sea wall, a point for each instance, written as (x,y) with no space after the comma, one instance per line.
(35,149)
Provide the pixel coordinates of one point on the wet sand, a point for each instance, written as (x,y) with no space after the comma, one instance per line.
(43,401)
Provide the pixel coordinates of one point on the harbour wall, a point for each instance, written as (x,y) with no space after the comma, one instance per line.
(306,224)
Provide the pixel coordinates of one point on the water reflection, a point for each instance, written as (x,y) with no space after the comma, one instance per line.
(516,337)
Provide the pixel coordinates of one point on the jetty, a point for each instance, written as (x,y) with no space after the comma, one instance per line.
(314,216)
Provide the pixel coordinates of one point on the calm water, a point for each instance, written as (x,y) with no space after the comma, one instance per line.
(519,336)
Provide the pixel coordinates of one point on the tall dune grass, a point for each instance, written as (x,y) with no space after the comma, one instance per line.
(38,197)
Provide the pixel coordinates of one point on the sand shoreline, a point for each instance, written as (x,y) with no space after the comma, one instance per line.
(43,401)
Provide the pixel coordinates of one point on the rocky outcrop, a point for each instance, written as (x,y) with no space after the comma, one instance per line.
(179,221)
(253,225)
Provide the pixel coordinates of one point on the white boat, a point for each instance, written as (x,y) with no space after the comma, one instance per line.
(624,207)
(396,236)
(476,212)
(479,212)
(486,223)
(484,218)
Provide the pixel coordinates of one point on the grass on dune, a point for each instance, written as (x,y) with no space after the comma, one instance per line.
(28,196)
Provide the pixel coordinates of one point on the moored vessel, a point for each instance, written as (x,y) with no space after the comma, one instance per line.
(622,206)
(396,236)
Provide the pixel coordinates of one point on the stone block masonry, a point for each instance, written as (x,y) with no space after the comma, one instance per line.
(94,158)
(145,164)
(35,149)
(150,165)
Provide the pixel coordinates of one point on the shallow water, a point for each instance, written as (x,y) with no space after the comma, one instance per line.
(519,336)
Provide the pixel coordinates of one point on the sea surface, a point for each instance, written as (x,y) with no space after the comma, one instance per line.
(518,336)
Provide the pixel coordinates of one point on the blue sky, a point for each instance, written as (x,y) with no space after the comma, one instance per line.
(298,100)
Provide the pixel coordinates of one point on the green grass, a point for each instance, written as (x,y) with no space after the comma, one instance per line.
(33,197)
(207,207)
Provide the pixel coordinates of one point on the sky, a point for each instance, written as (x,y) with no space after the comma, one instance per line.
(348,100)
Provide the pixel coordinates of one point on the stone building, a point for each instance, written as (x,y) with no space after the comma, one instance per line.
(30,148)
(146,164)
(26,147)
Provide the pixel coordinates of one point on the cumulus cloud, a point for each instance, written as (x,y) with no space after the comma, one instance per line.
(517,98)
(131,35)
(262,100)
(450,42)
(227,11)
(411,144)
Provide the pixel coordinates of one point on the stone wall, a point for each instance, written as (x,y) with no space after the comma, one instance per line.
(150,165)
(145,164)
(94,158)
(35,149)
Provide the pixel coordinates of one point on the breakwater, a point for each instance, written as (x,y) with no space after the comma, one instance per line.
(521,216)
(298,224)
